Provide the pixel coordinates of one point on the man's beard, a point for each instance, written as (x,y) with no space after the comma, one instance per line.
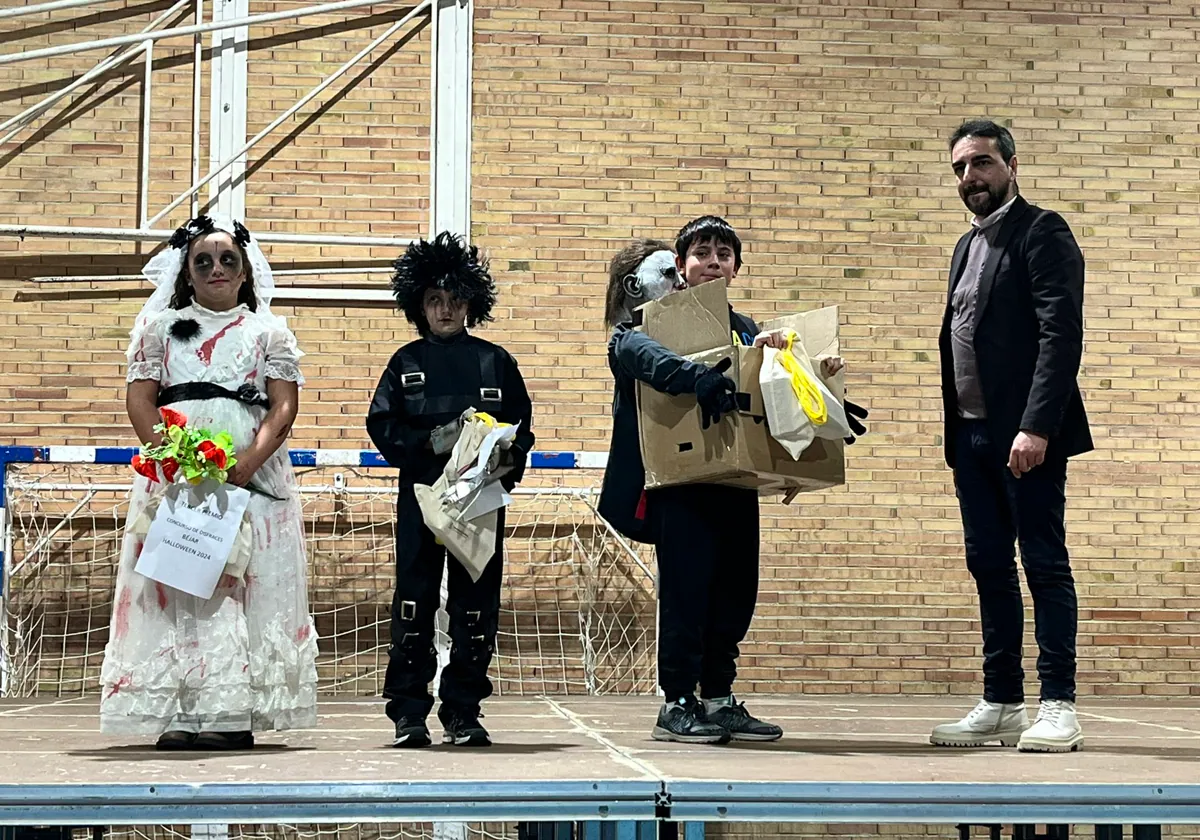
(996,196)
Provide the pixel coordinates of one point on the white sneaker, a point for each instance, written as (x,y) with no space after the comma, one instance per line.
(1055,730)
(986,723)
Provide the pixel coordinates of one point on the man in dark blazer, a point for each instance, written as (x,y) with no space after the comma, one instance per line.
(1010,343)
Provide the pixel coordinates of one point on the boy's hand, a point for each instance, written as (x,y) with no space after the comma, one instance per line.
(772,338)
(831,365)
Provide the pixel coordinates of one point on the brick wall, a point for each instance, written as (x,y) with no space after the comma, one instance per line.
(819,131)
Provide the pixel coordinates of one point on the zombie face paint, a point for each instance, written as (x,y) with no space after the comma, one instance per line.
(217,270)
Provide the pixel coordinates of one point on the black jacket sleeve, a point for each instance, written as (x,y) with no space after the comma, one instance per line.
(642,358)
(516,407)
(387,423)
(1056,283)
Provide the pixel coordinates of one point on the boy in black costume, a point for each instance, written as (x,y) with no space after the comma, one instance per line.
(444,288)
(706,536)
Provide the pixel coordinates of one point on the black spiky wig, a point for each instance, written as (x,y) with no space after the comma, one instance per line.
(446,263)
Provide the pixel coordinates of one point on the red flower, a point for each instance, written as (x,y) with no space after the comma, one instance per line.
(172,417)
(145,467)
(220,458)
(208,449)
(169,467)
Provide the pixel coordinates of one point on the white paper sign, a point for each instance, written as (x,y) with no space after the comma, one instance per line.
(192,535)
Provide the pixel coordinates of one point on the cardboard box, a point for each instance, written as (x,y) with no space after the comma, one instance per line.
(739,450)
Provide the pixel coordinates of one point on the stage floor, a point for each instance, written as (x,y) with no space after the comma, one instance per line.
(860,759)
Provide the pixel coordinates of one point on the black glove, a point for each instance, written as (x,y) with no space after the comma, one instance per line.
(714,393)
(854,415)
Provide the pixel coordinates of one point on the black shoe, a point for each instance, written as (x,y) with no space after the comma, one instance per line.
(684,721)
(411,732)
(463,730)
(215,741)
(743,726)
(175,739)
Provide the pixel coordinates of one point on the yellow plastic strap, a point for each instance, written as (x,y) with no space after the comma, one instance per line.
(489,421)
(807,392)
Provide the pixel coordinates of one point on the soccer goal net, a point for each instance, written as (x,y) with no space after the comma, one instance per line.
(578,605)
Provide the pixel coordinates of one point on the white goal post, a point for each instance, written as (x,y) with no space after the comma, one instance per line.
(578,607)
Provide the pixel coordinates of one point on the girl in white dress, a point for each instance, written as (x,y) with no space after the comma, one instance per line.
(207,673)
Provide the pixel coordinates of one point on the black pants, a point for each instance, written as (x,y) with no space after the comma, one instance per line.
(707,585)
(474,609)
(997,509)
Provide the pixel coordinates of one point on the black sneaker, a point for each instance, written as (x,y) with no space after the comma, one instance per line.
(463,730)
(684,721)
(743,726)
(411,732)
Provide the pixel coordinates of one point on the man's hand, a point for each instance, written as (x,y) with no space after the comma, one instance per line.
(1028,451)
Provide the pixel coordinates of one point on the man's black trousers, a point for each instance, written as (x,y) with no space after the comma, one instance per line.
(999,510)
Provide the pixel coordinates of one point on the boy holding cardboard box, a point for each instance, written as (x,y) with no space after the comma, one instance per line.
(706,535)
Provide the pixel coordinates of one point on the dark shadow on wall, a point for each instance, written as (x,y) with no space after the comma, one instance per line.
(74,24)
(184,58)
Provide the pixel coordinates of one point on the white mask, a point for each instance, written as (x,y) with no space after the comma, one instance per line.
(655,278)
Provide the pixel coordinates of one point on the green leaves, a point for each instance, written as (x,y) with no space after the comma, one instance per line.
(183,445)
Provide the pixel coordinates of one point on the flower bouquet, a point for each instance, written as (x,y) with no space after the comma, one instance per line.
(198,453)
(189,458)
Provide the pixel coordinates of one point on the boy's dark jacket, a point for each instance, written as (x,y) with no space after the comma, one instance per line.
(455,371)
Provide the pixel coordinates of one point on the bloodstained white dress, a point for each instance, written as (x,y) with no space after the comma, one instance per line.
(244,659)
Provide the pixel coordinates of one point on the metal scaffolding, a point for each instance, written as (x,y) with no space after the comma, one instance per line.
(230,22)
